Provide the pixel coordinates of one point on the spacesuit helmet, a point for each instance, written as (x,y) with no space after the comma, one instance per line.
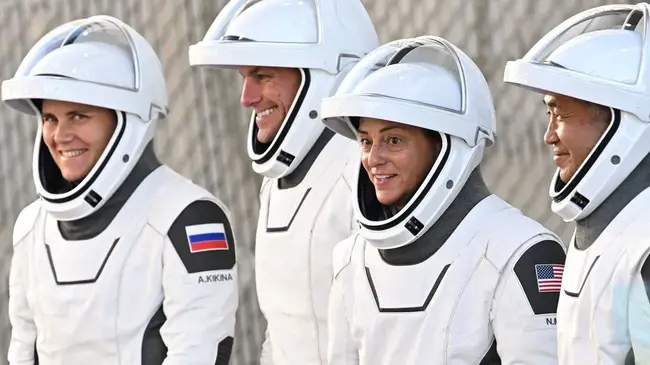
(425,82)
(98,61)
(322,39)
(599,56)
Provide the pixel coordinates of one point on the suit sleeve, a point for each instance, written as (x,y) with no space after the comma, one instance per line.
(525,304)
(349,179)
(22,344)
(200,287)
(639,315)
(267,354)
(341,348)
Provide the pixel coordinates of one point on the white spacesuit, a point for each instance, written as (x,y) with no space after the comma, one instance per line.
(305,198)
(456,276)
(134,264)
(601,56)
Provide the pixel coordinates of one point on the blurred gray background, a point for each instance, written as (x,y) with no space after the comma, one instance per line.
(204,138)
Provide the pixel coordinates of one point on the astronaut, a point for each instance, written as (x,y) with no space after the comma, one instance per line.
(594,74)
(291,54)
(121,260)
(441,270)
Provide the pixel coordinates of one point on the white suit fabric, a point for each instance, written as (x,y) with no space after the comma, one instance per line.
(477,300)
(296,233)
(143,291)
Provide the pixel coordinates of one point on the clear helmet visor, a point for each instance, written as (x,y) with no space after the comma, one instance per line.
(416,81)
(590,41)
(265,21)
(414,64)
(603,18)
(599,56)
(84,51)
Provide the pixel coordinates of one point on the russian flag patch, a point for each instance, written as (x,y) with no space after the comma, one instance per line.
(206,237)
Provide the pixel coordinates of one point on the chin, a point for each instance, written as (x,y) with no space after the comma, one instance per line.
(565,177)
(72,176)
(386,200)
(264,138)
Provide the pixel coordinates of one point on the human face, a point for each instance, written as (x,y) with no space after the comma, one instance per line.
(270,91)
(76,135)
(574,128)
(396,157)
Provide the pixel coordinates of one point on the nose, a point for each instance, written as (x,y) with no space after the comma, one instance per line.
(63,132)
(251,93)
(551,137)
(376,157)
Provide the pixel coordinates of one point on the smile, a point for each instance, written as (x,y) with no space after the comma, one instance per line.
(264,113)
(73,153)
(383,179)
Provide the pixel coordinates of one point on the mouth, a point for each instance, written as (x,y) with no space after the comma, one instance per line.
(261,115)
(560,158)
(383,179)
(70,154)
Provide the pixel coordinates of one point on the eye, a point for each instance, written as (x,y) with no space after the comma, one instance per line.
(49,119)
(393,141)
(262,76)
(79,116)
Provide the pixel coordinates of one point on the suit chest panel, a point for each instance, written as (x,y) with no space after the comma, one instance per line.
(293,221)
(441,306)
(593,307)
(109,283)
(282,209)
(591,273)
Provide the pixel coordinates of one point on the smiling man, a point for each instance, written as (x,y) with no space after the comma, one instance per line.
(270,92)
(593,72)
(574,128)
(290,55)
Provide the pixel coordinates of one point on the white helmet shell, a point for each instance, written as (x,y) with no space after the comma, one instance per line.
(425,82)
(599,56)
(98,61)
(311,35)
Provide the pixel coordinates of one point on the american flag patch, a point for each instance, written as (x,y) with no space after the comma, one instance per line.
(549,277)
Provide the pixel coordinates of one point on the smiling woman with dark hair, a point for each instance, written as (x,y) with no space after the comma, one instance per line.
(441,271)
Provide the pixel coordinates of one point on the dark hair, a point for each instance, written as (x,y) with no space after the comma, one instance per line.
(434,135)
(39,104)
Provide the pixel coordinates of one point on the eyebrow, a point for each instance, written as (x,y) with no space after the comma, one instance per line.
(361,131)
(550,104)
(68,114)
(252,71)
